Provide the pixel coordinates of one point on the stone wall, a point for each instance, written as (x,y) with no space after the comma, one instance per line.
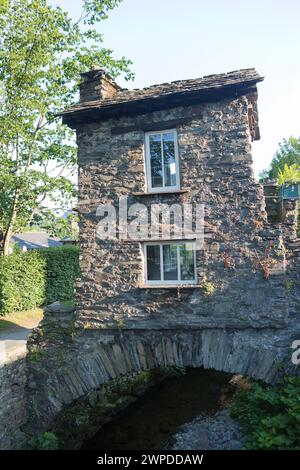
(272,201)
(12,399)
(281,211)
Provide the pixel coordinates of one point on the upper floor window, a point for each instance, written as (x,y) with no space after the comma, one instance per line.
(161,152)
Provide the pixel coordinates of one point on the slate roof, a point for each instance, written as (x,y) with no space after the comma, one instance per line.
(32,240)
(208,87)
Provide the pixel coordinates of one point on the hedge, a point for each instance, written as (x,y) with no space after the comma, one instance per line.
(38,277)
(22,281)
(62,268)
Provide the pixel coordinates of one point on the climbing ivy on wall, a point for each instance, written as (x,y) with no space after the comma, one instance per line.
(37,277)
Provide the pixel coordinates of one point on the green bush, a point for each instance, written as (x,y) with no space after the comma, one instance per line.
(270,415)
(22,281)
(37,277)
(47,441)
(62,268)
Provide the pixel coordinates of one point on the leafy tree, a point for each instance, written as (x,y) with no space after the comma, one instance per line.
(289,173)
(56,226)
(288,154)
(42,51)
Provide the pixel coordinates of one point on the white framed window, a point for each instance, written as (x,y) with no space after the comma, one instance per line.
(161,156)
(170,262)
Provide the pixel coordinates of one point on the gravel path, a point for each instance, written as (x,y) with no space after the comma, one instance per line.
(14,331)
(13,340)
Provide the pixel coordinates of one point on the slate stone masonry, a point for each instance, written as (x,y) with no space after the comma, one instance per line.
(216,169)
(12,399)
(245,326)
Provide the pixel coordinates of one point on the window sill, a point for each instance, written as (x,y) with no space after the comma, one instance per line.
(162,193)
(170,286)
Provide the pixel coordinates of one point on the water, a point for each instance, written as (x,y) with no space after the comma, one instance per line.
(154,418)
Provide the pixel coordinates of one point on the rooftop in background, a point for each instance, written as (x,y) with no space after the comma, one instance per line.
(35,240)
(112,100)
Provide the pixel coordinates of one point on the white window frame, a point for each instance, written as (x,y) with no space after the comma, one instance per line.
(162,188)
(179,281)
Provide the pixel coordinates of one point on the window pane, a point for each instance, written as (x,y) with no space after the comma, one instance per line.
(153,262)
(155,160)
(170,262)
(187,262)
(169,159)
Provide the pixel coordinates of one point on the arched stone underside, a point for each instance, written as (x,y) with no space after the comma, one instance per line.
(66,365)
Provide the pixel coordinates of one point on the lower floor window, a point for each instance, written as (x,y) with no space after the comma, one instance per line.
(170,263)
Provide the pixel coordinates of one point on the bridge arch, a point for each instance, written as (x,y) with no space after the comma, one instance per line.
(63,367)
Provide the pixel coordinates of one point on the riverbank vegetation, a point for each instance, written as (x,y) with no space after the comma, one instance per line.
(270,415)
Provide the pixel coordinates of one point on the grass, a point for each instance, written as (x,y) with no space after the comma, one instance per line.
(24,319)
(69,302)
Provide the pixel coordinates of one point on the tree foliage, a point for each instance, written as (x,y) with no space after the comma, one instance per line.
(42,51)
(288,154)
(65,226)
(289,174)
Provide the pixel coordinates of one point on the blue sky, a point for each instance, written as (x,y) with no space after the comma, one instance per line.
(179,39)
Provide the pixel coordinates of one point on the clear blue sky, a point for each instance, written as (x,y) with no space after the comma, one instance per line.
(179,39)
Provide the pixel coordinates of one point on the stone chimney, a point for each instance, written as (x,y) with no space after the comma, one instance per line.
(97,85)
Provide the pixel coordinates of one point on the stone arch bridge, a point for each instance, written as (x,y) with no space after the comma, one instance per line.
(66,364)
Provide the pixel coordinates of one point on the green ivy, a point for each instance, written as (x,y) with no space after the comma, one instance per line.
(270,414)
(37,277)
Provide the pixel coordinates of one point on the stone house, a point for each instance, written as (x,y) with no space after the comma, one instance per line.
(184,142)
(230,304)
